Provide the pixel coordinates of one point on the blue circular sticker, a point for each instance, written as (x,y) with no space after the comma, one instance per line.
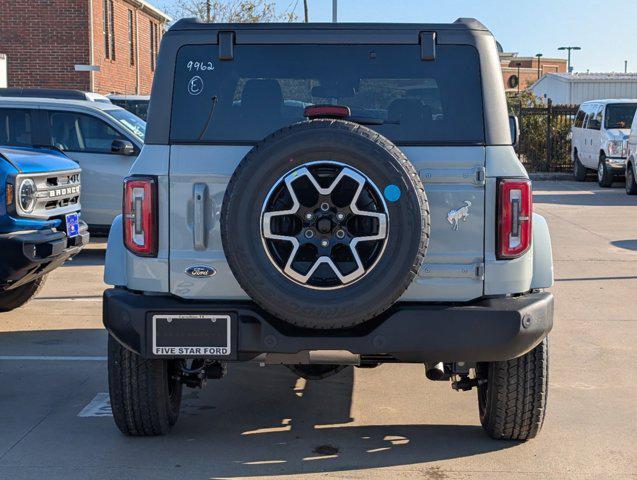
(392,193)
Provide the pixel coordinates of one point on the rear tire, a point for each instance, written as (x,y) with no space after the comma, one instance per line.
(579,170)
(512,403)
(605,176)
(631,183)
(12,299)
(145,394)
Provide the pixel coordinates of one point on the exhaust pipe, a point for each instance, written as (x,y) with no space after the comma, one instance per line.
(435,371)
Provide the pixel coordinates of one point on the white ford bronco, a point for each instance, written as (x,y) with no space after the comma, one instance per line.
(322,196)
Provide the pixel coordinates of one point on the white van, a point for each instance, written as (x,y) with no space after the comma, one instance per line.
(631,162)
(600,134)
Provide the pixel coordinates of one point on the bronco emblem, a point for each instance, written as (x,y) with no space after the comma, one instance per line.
(455,216)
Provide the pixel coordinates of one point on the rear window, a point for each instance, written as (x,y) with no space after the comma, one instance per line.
(620,115)
(267,87)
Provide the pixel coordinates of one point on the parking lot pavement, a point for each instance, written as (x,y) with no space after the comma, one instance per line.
(388,422)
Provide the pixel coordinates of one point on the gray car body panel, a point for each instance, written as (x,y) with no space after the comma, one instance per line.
(453,265)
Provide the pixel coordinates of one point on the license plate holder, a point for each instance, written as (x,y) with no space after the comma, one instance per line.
(192,335)
(72,224)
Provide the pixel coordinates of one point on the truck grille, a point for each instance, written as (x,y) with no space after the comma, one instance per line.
(57,193)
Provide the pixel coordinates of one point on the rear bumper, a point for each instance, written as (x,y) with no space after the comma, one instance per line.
(487,330)
(25,256)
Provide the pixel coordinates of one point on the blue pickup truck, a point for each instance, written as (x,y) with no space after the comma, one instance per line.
(40,225)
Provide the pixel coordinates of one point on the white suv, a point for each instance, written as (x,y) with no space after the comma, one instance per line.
(600,133)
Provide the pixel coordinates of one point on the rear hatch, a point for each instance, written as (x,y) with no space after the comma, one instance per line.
(431,108)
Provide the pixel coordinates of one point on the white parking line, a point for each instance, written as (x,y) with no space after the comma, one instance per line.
(100,406)
(54,358)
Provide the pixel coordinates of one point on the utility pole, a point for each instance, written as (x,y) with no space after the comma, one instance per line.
(208,8)
(569,49)
(539,65)
(306,11)
(519,64)
(334,11)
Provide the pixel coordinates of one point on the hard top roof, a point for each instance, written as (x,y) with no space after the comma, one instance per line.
(196,24)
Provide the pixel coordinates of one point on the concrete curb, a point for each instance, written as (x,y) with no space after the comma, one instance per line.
(555,176)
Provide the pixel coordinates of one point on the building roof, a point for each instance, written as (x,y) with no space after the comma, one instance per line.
(151,9)
(505,56)
(593,77)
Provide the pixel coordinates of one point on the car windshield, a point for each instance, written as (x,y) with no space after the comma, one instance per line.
(387,87)
(620,115)
(130,121)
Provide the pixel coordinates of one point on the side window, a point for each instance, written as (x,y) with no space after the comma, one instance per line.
(76,132)
(15,127)
(579,120)
(595,118)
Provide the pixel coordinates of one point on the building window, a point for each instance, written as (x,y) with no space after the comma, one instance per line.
(154,44)
(131,38)
(109,30)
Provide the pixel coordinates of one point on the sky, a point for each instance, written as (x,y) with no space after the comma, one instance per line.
(605,30)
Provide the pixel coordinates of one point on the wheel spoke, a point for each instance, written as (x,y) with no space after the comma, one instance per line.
(352,211)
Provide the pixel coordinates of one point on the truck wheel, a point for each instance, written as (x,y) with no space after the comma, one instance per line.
(145,394)
(512,402)
(579,170)
(16,297)
(631,183)
(605,176)
(325,224)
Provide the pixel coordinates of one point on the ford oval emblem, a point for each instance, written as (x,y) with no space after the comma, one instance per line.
(200,271)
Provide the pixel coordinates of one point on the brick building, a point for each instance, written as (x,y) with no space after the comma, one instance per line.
(524,70)
(45,40)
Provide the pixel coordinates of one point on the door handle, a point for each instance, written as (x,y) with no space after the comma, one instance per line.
(200,194)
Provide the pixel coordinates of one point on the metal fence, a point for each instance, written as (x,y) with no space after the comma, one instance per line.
(545,143)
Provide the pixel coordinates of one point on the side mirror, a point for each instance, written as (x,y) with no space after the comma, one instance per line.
(514,126)
(122,147)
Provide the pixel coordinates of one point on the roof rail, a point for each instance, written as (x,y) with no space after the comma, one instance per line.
(61,93)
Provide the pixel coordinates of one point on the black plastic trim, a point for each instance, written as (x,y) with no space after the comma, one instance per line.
(486,330)
(25,256)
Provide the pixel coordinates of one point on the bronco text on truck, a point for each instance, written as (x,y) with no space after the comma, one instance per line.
(326,195)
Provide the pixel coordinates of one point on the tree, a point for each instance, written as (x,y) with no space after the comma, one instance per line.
(232,11)
(534,130)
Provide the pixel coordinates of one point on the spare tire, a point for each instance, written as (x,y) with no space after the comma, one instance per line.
(325,224)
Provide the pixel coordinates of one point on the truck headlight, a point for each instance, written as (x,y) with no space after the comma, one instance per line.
(617,148)
(26,195)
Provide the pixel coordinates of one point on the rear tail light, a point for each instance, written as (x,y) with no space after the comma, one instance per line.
(140,215)
(515,213)
(326,111)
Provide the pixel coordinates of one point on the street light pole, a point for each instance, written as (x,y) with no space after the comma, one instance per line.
(539,65)
(306,11)
(569,49)
(334,11)
(519,64)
